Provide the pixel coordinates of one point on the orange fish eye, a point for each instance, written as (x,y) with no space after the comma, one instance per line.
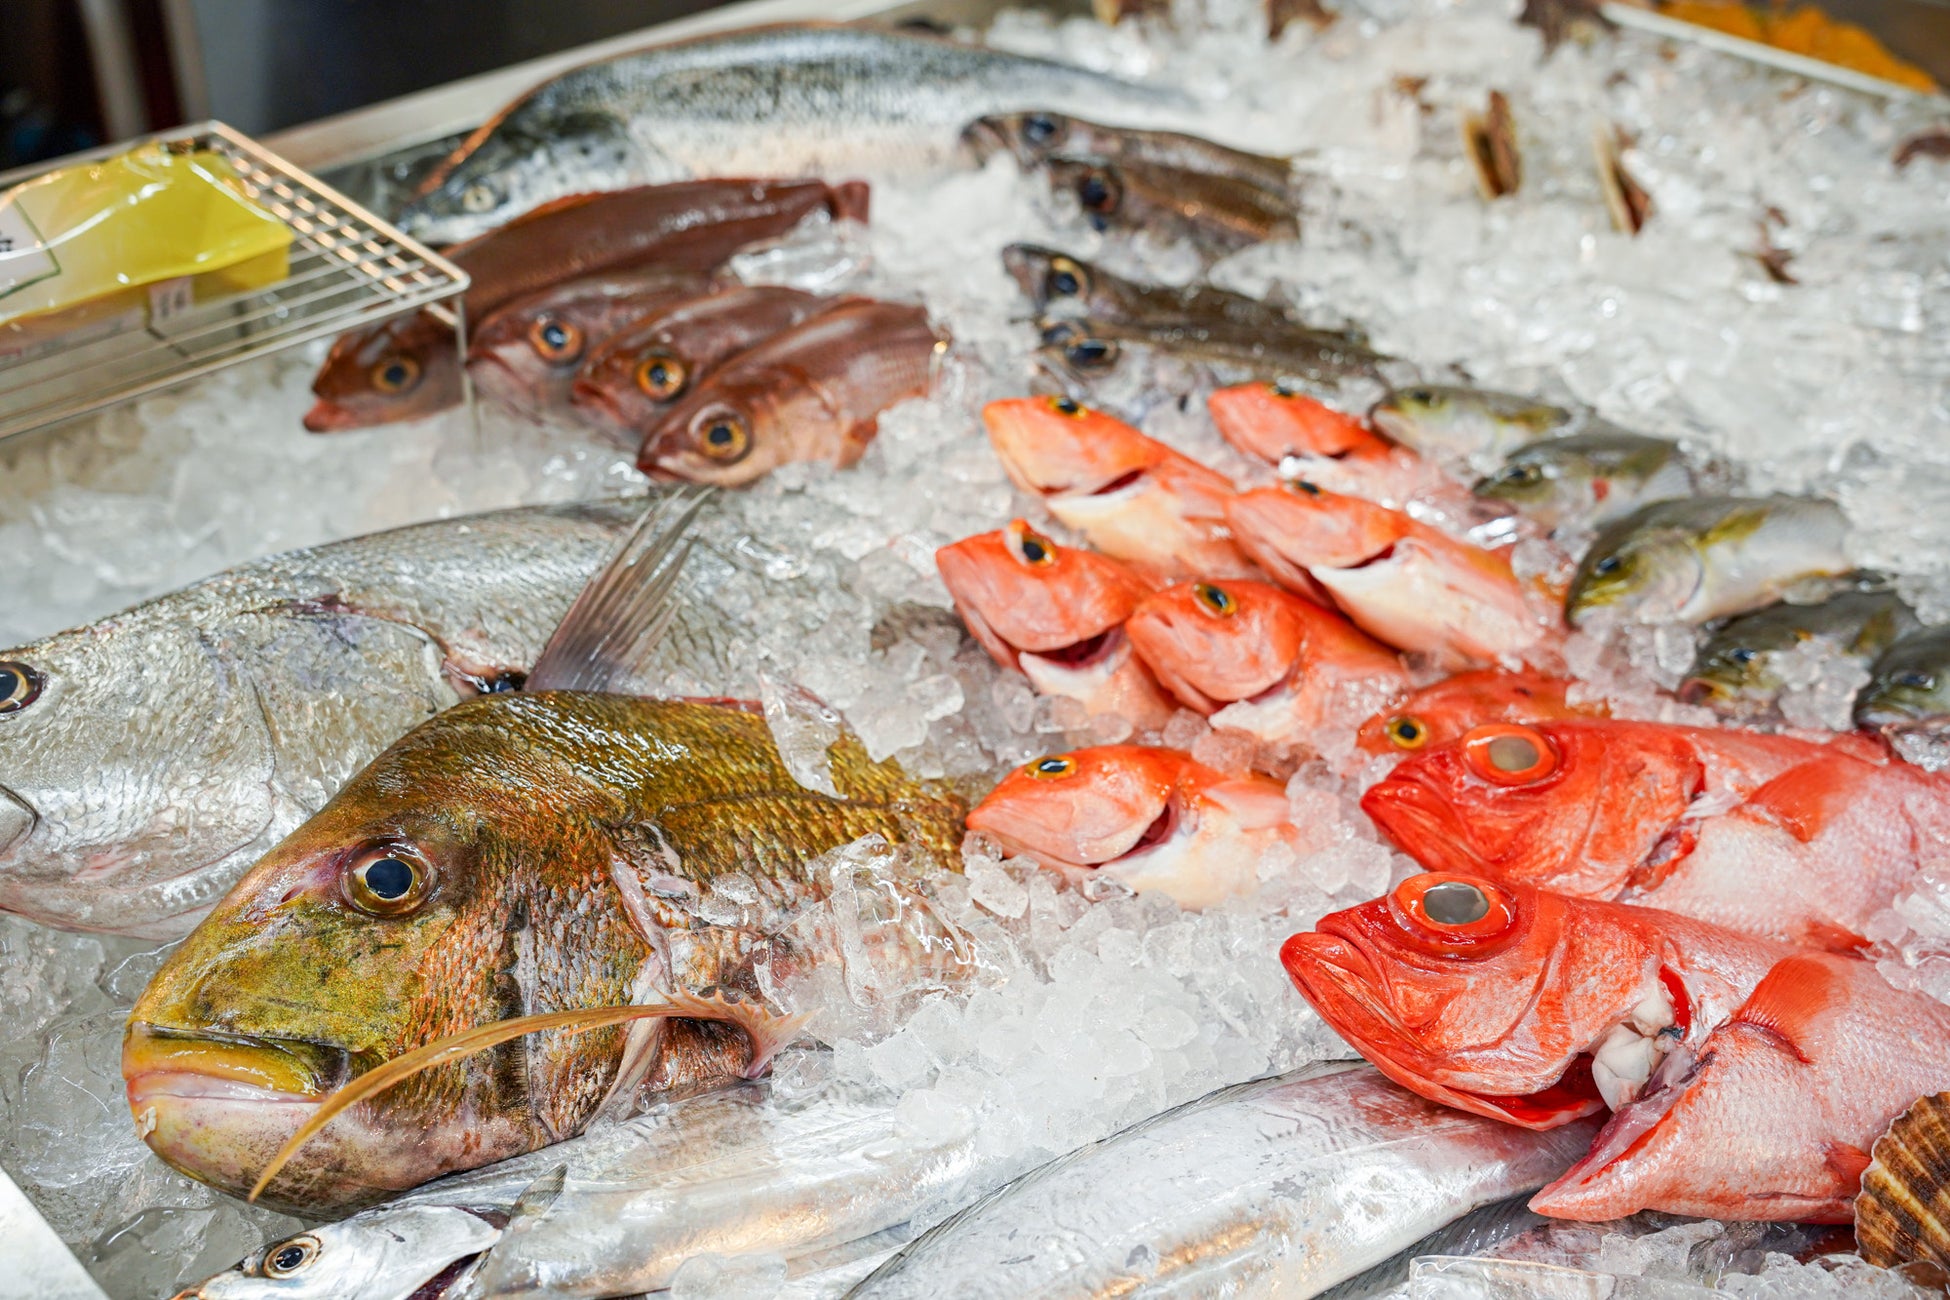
(723,435)
(1278,388)
(1215,599)
(661,377)
(1506,754)
(1069,406)
(1406,731)
(555,340)
(1053,768)
(1030,546)
(387,880)
(1301,485)
(1453,916)
(395,374)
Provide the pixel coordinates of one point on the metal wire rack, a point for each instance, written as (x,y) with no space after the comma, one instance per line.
(347,268)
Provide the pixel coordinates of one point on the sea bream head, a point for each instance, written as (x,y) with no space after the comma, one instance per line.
(1517,1003)
(1149,819)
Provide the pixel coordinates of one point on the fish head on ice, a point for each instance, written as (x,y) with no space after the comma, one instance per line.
(1455,987)
(1029,137)
(396,370)
(1213,642)
(728,432)
(403,1250)
(1580,807)
(1445,711)
(1299,526)
(1150,819)
(137,766)
(1271,421)
(1057,446)
(1458,422)
(1909,685)
(437,891)
(1640,574)
(1058,284)
(1020,593)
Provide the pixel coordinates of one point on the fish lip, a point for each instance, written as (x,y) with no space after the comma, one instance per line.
(204,1064)
(1397,803)
(327,416)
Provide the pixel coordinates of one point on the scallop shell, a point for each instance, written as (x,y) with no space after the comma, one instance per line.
(1902,1214)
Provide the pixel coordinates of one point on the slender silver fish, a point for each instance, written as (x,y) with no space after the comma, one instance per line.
(618,1210)
(147,759)
(1280,1187)
(787,100)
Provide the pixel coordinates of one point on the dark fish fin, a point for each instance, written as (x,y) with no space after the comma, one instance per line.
(625,610)
(1790,998)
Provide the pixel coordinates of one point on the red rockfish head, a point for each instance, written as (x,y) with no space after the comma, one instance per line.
(1054,445)
(1577,807)
(1289,529)
(1019,592)
(1211,643)
(1457,988)
(1444,711)
(1270,422)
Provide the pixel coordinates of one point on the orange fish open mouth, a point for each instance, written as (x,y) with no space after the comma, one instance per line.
(1424,824)
(1341,982)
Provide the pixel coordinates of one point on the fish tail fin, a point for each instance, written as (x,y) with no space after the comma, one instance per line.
(623,613)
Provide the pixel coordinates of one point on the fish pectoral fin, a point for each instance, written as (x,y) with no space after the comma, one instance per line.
(769,1031)
(539,1195)
(619,618)
(1803,800)
(1791,998)
(1847,1162)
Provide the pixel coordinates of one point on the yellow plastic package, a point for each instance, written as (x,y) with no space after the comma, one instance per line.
(130,239)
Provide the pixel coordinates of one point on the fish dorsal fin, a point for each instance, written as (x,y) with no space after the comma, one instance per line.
(618,619)
(1791,998)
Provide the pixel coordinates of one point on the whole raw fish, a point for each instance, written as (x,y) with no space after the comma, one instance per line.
(787,99)
(147,759)
(1767,834)
(1443,711)
(1707,557)
(1738,670)
(1132,496)
(1279,1187)
(1061,286)
(1091,352)
(1909,685)
(1215,214)
(526,354)
(616,1211)
(406,368)
(1526,1006)
(1774,1115)
(1038,136)
(631,378)
(814,392)
(1055,614)
(1308,439)
(1468,424)
(1591,478)
(1259,659)
(1406,583)
(1149,819)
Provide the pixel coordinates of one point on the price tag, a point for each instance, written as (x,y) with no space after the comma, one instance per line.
(168,298)
(24,259)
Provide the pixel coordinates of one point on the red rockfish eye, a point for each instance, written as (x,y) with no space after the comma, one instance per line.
(1508,754)
(1453,916)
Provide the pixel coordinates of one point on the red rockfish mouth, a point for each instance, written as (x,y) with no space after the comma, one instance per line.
(1422,823)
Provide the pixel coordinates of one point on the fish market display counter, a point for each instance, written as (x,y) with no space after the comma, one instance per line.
(1091,659)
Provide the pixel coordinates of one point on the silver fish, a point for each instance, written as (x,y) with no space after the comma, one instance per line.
(779,100)
(1738,669)
(1593,477)
(1909,686)
(1475,424)
(618,1210)
(1280,1187)
(147,759)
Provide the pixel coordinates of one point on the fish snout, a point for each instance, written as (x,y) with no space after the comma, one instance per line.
(1421,823)
(327,416)
(17,821)
(1702,690)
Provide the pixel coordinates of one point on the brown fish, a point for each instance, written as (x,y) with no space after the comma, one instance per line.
(814,392)
(526,355)
(1036,136)
(406,368)
(1218,214)
(632,378)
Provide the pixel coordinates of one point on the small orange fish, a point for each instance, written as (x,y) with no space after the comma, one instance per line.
(1767,834)
(1442,712)
(1132,496)
(1774,1115)
(1410,585)
(1056,614)
(1152,819)
(1262,660)
(1516,1003)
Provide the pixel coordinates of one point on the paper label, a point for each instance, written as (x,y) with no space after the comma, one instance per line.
(24,259)
(169,298)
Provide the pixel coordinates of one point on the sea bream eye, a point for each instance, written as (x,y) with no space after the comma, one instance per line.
(554,339)
(723,436)
(1407,732)
(387,881)
(291,1256)
(1051,768)
(1066,406)
(1215,599)
(20,685)
(661,377)
(1030,546)
(1065,279)
(396,374)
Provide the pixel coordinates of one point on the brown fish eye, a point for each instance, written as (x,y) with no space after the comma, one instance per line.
(1506,754)
(289,1257)
(1039,128)
(1216,599)
(661,377)
(20,686)
(1098,192)
(1091,354)
(1051,769)
(1067,406)
(724,438)
(554,339)
(387,881)
(396,374)
(1407,732)
(1065,279)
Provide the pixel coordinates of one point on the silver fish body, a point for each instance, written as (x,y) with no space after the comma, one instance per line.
(618,1210)
(1280,1187)
(1477,425)
(166,748)
(777,100)
(1591,478)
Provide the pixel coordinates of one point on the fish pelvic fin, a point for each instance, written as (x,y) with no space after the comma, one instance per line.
(625,610)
